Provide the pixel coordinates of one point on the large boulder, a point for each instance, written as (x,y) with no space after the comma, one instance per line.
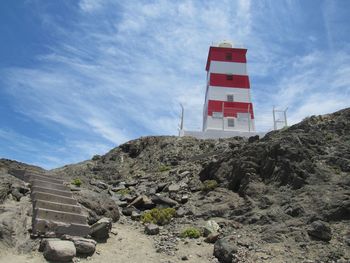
(225,249)
(84,246)
(164,201)
(100,230)
(98,205)
(59,250)
(142,202)
(210,227)
(320,230)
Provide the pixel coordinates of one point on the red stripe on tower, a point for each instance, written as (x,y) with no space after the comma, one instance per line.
(230,109)
(226,54)
(228,81)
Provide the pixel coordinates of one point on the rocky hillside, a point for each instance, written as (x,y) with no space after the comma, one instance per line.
(284,196)
(281,198)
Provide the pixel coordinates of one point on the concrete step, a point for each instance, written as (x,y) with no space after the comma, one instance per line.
(57,206)
(42,226)
(53,198)
(45,184)
(45,178)
(59,216)
(52,191)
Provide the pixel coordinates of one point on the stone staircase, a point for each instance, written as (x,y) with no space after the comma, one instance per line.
(55,211)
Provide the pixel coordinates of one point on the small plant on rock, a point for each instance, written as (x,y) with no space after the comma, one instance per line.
(123,191)
(160,216)
(77,182)
(209,185)
(191,232)
(164,168)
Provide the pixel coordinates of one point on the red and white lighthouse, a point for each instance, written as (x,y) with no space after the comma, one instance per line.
(228,104)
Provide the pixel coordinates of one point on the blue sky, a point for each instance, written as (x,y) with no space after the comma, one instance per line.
(78,78)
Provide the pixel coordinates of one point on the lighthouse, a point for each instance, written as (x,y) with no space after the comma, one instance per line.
(228,105)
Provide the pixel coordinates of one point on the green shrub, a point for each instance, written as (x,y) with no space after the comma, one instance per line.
(329,137)
(191,232)
(160,216)
(123,191)
(337,170)
(164,168)
(77,182)
(209,185)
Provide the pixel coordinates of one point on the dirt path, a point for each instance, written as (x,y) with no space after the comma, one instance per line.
(130,245)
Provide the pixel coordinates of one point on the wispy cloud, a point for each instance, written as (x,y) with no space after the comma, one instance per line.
(120,69)
(47,154)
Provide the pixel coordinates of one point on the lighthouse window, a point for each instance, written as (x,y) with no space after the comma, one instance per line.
(229,56)
(230,98)
(231,122)
(229,77)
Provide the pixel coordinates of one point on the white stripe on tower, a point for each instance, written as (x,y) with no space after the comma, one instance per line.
(221,93)
(223,67)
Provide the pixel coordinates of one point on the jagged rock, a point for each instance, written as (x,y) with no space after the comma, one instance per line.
(98,205)
(152,229)
(127,198)
(320,230)
(174,188)
(142,202)
(210,227)
(162,200)
(100,230)
(225,249)
(59,250)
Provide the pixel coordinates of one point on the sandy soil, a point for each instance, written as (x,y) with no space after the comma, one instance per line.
(132,245)
(10,255)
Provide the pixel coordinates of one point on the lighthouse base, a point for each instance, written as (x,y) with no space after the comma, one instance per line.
(217,134)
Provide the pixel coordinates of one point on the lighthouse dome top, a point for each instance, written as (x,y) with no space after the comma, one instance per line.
(225,43)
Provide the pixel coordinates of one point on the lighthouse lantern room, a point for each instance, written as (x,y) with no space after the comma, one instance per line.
(228,105)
